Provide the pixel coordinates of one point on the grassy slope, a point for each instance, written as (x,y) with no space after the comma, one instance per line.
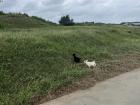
(34,62)
(9,21)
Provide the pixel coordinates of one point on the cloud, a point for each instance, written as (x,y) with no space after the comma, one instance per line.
(80,10)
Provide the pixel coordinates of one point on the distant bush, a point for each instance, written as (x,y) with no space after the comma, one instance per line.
(2,13)
(38,18)
(14,14)
(65,20)
(85,23)
(26,15)
(99,23)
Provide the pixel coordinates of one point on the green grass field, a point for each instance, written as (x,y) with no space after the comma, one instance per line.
(36,61)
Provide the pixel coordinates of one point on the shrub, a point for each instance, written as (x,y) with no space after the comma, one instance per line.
(38,18)
(2,13)
(26,15)
(65,20)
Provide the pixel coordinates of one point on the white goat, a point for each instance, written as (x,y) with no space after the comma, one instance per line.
(90,64)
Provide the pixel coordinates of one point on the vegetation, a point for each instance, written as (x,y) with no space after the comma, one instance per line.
(38,18)
(36,61)
(2,13)
(19,20)
(85,23)
(1,26)
(66,21)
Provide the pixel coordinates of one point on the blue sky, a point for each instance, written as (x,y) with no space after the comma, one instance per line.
(109,11)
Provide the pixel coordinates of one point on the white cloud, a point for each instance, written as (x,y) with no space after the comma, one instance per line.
(80,10)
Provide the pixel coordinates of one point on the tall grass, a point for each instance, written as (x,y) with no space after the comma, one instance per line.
(37,61)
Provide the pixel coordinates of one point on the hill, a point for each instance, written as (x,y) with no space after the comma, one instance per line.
(35,62)
(18,20)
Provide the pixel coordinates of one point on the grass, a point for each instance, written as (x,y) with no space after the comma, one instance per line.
(22,21)
(36,61)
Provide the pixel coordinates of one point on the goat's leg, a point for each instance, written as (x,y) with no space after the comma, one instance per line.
(89,67)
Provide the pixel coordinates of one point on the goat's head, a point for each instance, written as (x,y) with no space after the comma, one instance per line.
(74,54)
(85,61)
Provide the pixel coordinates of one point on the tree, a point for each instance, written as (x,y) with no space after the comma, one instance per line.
(65,20)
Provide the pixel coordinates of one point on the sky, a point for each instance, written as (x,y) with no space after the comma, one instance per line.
(108,11)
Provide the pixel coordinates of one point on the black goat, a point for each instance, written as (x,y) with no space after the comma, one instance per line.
(76,59)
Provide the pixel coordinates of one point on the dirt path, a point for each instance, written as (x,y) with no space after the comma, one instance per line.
(121,90)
